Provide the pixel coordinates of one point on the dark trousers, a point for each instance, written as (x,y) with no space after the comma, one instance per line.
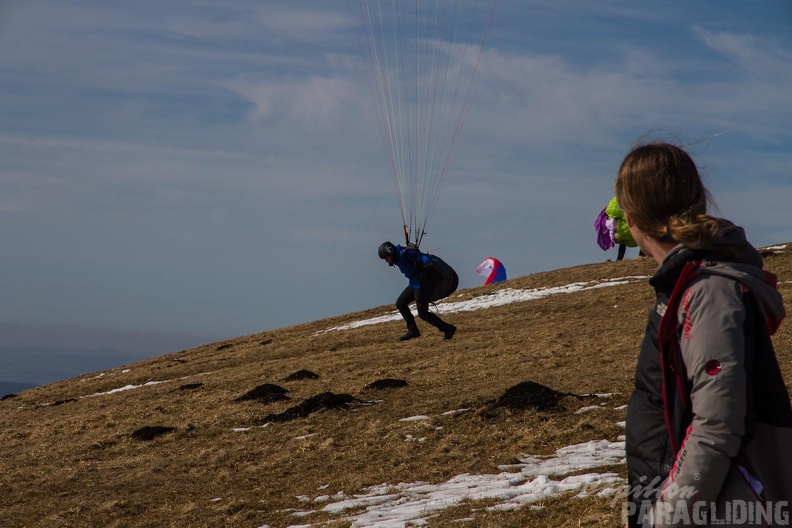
(622,251)
(421,297)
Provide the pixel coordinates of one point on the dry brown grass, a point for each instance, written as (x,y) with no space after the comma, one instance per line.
(76,463)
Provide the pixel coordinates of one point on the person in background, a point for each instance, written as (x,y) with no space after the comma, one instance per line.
(612,229)
(430,279)
(709,422)
(621,233)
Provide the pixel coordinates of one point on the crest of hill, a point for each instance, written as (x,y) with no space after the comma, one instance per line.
(190,438)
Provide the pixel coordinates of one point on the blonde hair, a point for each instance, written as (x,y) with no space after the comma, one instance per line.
(659,188)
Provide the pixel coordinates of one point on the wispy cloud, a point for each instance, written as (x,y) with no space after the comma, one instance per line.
(83,144)
(313,100)
(762,58)
(303,23)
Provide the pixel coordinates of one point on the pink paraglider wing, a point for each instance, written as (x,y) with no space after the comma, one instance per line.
(493,269)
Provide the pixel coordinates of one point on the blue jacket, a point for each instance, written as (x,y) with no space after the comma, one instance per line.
(410,262)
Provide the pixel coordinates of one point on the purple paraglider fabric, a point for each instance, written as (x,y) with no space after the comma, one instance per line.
(604,226)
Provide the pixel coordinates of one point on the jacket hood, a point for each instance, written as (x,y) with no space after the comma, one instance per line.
(730,244)
(732,256)
(760,283)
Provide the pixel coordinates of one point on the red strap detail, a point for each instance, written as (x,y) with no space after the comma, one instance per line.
(772,324)
(667,334)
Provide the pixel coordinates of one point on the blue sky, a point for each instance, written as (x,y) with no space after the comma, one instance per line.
(174,172)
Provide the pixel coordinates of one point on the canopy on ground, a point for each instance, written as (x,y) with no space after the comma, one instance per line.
(493,269)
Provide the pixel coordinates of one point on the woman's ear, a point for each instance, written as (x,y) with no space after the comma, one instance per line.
(628,220)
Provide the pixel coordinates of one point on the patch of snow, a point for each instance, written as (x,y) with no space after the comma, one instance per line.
(526,483)
(415,418)
(497,298)
(457,411)
(587,409)
(246,429)
(125,388)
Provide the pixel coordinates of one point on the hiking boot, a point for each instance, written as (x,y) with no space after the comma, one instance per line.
(411,333)
(450,331)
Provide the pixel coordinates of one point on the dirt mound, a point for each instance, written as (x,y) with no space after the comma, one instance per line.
(190,386)
(266,393)
(150,432)
(530,395)
(387,383)
(61,402)
(325,400)
(301,375)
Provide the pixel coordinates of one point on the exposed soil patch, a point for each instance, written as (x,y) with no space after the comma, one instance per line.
(266,393)
(301,375)
(190,386)
(530,395)
(387,383)
(325,400)
(150,432)
(61,402)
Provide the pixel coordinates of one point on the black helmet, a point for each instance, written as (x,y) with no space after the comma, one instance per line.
(385,249)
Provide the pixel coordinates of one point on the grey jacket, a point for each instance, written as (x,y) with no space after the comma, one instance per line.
(730,448)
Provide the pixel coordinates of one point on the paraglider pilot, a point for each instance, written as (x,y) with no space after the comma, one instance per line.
(430,279)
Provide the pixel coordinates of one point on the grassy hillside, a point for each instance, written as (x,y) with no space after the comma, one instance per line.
(169,442)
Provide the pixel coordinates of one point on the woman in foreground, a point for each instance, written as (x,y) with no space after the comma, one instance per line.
(709,423)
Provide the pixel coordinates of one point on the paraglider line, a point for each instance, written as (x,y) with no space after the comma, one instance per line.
(421,59)
(464,105)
